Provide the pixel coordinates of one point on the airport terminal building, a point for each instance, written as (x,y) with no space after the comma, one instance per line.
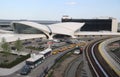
(68,27)
(96,24)
(26,27)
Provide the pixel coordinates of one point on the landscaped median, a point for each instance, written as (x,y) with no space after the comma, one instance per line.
(11,63)
(58,69)
(61,63)
(12,60)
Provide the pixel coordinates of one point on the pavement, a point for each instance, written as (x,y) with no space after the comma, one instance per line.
(72,67)
(48,62)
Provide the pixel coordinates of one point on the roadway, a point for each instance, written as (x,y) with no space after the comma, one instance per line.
(97,64)
(48,62)
(72,67)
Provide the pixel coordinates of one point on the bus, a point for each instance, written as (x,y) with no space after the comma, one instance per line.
(46,52)
(34,60)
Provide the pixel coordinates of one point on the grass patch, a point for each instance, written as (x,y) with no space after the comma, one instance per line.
(56,65)
(35,48)
(15,62)
(50,74)
(58,61)
(64,57)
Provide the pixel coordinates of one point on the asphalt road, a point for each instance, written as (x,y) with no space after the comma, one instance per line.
(72,67)
(48,62)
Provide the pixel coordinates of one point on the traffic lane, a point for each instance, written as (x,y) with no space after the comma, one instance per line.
(36,71)
(47,63)
(72,67)
(39,69)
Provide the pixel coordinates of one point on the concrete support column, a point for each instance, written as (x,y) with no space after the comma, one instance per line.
(51,37)
(114,25)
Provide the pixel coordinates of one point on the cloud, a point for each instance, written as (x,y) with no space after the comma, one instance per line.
(71,3)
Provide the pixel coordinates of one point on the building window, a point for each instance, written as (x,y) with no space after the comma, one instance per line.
(24,29)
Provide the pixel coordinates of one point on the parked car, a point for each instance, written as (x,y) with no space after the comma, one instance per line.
(25,70)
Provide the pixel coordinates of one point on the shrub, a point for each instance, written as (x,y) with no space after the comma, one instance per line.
(15,62)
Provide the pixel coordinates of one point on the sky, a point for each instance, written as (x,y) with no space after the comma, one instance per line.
(55,9)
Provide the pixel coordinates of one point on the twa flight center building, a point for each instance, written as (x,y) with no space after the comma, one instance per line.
(68,27)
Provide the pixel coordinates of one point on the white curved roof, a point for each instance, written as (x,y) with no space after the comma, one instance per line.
(5,31)
(35,25)
(67,28)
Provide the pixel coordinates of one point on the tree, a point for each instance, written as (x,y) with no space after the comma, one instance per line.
(6,48)
(18,45)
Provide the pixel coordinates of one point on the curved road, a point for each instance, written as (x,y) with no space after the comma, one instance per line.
(72,67)
(39,69)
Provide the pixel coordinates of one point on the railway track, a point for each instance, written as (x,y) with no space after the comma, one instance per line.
(97,64)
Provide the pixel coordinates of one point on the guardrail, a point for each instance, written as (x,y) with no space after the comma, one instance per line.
(113,64)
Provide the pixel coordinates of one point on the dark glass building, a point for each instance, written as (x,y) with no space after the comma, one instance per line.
(94,24)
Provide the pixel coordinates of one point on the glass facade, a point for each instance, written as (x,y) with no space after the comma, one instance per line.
(4,26)
(25,29)
(58,36)
(93,24)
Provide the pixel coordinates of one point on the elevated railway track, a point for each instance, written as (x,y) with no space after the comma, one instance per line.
(98,66)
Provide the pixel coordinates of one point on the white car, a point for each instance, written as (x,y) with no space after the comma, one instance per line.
(76,52)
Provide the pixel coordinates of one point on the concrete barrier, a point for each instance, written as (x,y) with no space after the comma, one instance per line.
(113,64)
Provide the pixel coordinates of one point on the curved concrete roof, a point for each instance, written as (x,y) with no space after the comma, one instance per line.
(5,31)
(67,28)
(35,25)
